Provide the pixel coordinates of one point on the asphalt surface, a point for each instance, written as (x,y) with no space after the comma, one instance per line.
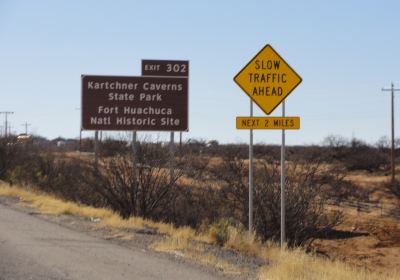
(35,249)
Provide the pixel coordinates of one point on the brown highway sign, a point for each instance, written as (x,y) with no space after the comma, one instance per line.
(134,103)
(176,68)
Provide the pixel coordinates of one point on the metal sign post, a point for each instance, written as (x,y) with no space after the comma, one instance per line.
(134,163)
(267,79)
(172,157)
(283,182)
(180,143)
(80,139)
(96,149)
(251,174)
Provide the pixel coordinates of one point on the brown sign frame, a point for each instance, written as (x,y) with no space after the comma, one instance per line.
(164,100)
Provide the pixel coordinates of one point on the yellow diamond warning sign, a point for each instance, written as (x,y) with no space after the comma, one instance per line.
(267,79)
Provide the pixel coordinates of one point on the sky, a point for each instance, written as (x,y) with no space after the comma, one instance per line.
(345,51)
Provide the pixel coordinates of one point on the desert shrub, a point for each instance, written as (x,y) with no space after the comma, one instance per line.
(144,192)
(220,230)
(394,187)
(355,154)
(193,147)
(305,196)
(8,152)
(306,186)
(239,151)
(193,206)
(198,190)
(87,145)
(308,153)
(55,173)
(193,166)
(232,175)
(111,147)
(272,151)
(20,161)
(361,156)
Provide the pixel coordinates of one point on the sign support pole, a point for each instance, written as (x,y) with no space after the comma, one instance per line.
(172,157)
(134,164)
(283,183)
(80,140)
(267,62)
(96,149)
(251,174)
(180,143)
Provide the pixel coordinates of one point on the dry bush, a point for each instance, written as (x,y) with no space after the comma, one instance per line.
(306,186)
(232,174)
(305,196)
(195,207)
(149,193)
(55,173)
(361,156)
(111,147)
(193,166)
(206,193)
(354,154)
(21,162)
(8,153)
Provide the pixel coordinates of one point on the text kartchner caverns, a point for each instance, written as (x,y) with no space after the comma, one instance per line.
(134,103)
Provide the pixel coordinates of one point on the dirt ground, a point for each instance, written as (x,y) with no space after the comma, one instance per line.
(370,234)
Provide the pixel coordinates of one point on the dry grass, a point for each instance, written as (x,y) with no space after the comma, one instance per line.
(51,205)
(197,252)
(286,264)
(295,264)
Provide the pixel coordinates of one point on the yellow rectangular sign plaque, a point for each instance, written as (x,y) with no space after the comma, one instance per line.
(268,122)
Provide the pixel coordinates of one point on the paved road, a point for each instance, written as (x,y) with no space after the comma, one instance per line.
(35,249)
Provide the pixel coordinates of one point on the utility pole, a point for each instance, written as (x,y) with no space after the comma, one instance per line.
(6,124)
(26,124)
(9,130)
(392,89)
